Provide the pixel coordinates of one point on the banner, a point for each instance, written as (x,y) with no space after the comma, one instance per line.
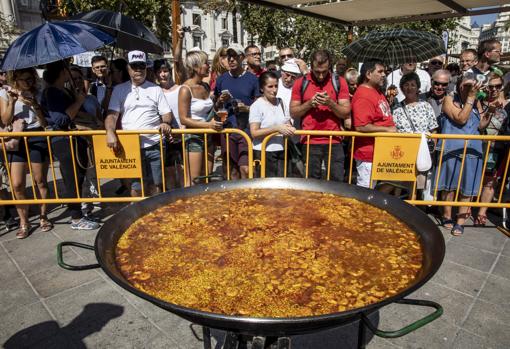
(395,159)
(125,163)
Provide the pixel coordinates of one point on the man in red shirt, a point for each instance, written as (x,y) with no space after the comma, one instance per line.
(370,113)
(323,106)
(253,60)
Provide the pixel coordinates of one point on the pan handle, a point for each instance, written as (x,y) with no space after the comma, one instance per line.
(60,256)
(409,328)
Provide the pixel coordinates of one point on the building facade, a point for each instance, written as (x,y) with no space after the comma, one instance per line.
(22,14)
(498,30)
(211,31)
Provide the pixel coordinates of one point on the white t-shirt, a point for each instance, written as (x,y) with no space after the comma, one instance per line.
(268,115)
(172,99)
(141,108)
(23,111)
(285,94)
(396,75)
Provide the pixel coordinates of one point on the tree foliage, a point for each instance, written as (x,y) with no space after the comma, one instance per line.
(155,14)
(283,28)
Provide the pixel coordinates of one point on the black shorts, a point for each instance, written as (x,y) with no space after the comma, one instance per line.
(173,154)
(38,151)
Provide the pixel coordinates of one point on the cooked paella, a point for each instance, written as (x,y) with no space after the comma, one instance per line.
(269,253)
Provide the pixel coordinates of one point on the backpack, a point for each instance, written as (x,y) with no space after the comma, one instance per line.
(335,80)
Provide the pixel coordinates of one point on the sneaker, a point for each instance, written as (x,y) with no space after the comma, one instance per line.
(84,224)
(91,217)
(11,223)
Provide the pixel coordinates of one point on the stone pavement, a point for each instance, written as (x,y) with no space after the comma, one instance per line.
(44,306)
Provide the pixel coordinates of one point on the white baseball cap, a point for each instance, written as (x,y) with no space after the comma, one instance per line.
(290,66)
(238,49)
(137,57)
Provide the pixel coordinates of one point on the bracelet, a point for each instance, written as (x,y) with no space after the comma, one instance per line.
(472,103)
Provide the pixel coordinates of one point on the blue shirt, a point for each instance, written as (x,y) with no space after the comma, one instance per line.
(55,102)
(243,88)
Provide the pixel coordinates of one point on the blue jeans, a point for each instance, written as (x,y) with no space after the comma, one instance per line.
(151,168)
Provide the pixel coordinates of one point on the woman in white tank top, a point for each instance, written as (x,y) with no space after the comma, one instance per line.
(195,104)
(174,171)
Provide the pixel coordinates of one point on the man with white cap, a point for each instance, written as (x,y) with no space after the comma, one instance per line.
(289,73)
(141,105)
(235,91)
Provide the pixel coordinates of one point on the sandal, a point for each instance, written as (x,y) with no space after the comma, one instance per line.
(457,230)
(480,220)
(448,223)
(23,232)
(44,224)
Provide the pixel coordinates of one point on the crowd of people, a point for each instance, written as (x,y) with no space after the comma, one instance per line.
(239,92)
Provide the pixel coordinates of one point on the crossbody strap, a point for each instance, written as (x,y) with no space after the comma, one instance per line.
(407,116)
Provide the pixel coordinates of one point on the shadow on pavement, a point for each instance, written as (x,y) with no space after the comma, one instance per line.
(91,320)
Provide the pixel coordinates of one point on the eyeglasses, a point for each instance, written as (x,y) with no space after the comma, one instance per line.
(286,56)
(495,87)
(436,63)
(138,66)
(253,54)
(437,83)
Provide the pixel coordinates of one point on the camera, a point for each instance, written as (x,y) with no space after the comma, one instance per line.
(186,29)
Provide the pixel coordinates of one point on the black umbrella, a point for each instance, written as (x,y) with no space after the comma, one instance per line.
(396,46)
(128,33)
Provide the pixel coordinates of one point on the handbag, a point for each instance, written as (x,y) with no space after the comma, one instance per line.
(430,142)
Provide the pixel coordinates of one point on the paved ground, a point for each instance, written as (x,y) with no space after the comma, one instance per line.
(43,306)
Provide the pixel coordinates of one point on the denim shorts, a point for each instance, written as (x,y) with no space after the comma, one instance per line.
(151,168)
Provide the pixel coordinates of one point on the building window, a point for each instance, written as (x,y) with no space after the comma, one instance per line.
(197,41)
(224,23)
(224,42)
(197,19)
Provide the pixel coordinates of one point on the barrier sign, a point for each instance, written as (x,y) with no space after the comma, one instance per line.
(124,164)
(395,159)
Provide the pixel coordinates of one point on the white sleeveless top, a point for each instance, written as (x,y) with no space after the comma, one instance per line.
(172,99)
(200,108)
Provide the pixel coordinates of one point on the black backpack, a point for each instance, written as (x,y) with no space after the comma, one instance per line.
(335,80)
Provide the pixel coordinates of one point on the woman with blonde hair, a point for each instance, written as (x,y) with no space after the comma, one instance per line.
(194,106)
(21,102)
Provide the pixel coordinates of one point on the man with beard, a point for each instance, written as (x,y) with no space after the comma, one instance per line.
(253,60)
(438,90)
(320,101)
(370,113)
(489,54)
(141,105)
(235,91)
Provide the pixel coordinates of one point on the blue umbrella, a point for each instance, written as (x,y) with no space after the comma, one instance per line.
(53,41)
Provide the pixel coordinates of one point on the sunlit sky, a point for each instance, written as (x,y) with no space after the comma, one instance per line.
(484,19)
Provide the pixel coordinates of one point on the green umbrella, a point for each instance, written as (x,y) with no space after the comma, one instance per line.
(396,46)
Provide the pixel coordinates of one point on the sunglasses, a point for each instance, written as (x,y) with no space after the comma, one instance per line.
(437,83)
(286,56)
(138,66)
(495,87)
(436,63)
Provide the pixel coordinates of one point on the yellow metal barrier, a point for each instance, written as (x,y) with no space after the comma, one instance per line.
(353,135)
(181,133)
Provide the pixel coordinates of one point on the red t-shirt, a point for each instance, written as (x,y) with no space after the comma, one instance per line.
(320,118)
(369,106)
